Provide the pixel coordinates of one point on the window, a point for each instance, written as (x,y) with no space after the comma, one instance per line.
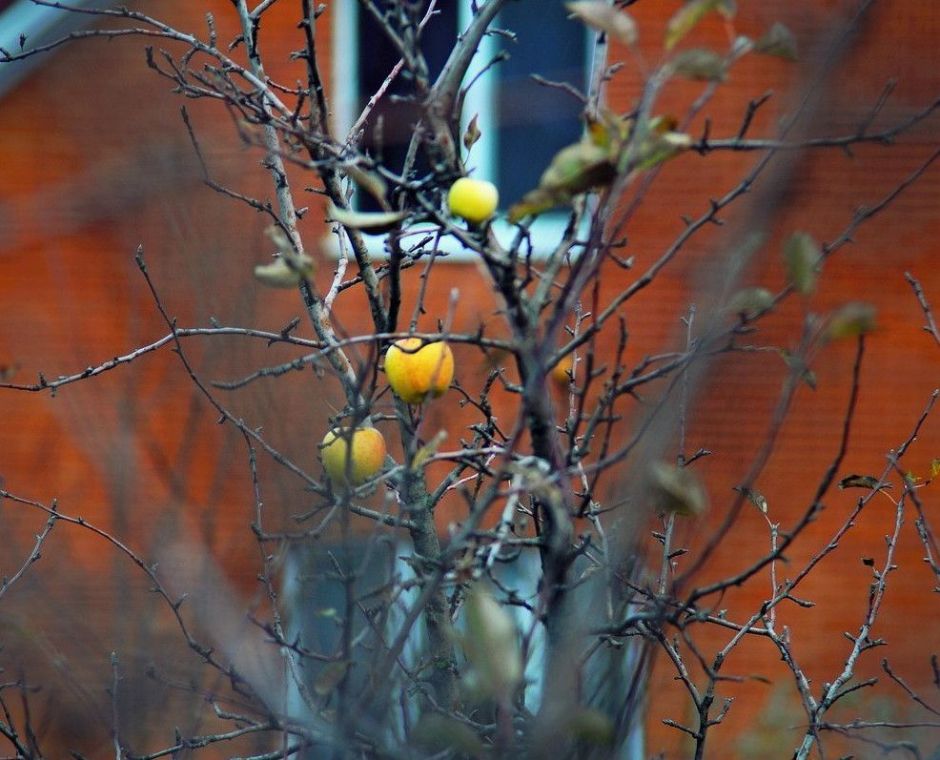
(312,584)
(29,25)
(523,122)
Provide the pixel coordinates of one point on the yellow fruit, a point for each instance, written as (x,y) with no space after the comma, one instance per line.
(473,199)
(368,454)
(560,372)
(415,372)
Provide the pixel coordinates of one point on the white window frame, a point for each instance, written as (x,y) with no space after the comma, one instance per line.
(545,232)
(522,576)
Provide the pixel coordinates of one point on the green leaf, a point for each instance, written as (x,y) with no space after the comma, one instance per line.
(589,163)
(778,41)
(688,16)
(700,64)
(575,169)
(802,255)
(607,129)
(853,319)
(677,489)
(750,301)
(598,15)
(375,222)
(535,202)
(934,468)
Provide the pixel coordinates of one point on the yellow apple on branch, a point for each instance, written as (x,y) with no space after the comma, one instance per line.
(474,200)
(416,372)
(357,455)
(563,372)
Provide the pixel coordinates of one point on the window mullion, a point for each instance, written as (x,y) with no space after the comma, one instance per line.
(480,101)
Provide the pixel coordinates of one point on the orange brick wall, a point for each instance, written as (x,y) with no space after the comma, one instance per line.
(95,161)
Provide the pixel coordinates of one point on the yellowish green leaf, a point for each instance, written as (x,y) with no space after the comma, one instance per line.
(371,182)
(802,255)
(590,163)
(535,202)
(778,41)
(577,168)
(688,16)
(374,222)
(429,449)
(677,489)
(277,236)
(491,645)
(850,320)
(608,130)
(283,273)
(750,301)
(660,148)
(598,15)
(660,125)
(289,268)
(700,64)
(574,169)
(798,364)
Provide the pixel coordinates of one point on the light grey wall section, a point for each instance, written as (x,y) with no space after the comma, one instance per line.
(38,25)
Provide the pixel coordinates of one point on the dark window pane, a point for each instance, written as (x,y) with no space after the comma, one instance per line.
(391,125)
(535,120)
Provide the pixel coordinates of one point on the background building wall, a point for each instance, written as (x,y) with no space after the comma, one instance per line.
(95,161)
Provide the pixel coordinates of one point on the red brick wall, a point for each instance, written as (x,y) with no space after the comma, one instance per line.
(95,161)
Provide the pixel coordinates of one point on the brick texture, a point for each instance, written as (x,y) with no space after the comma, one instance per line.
(95,162)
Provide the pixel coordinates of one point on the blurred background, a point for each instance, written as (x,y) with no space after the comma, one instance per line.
(96,161)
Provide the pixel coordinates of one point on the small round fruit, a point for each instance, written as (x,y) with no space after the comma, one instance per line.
(415,372)
(560,373)
(368,454)
(473,199)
